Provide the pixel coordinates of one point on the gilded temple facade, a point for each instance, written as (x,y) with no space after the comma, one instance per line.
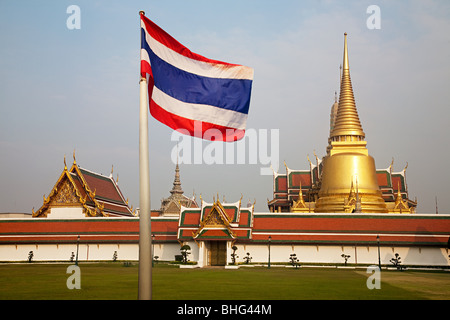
(345,180)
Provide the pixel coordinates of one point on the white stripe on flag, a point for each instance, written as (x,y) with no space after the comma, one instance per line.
(144,56)
(200,112)
(200,68)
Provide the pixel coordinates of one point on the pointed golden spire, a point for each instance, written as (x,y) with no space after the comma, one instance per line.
(345,62)
(347,120)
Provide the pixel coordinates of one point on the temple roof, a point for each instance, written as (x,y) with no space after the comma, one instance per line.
(286,186)
(97,194)
(172,204)
(215,221)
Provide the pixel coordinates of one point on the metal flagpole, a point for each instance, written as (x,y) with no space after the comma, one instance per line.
(145,240)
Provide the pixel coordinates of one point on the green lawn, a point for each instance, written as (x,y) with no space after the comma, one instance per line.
(107,281)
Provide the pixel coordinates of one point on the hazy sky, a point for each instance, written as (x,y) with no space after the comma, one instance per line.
(63,89)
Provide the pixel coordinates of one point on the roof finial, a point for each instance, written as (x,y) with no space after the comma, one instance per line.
(358,199)
(176,189)
(345,62)
(74,160)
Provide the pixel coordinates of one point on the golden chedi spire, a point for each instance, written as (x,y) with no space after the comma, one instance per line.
(348,159)
(347,122)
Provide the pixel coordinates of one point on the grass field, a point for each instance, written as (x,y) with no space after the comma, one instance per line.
(106,281)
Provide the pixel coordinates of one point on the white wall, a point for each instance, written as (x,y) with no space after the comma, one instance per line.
(62,252)
(332,254)
(66,213)
(426,256)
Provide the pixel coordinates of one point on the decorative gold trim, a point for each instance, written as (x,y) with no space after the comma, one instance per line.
(215,218)
(299,205)
(401,206)
(97,210)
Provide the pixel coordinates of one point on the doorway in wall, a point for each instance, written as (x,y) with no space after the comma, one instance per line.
(217,253)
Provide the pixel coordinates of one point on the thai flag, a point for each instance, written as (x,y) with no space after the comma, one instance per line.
(190,93)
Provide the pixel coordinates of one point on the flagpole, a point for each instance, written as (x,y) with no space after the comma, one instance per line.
(145,240)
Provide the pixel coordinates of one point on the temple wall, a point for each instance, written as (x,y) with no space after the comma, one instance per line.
(420,256)
(63,252)
(419,240)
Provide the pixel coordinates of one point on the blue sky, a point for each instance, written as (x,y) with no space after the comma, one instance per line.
(64,89)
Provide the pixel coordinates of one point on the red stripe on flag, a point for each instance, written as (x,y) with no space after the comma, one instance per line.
(146,68)
(164,38)
(195,128)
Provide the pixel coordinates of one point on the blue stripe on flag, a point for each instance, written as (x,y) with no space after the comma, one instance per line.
(230,94)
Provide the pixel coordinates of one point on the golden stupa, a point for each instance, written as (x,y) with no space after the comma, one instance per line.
(349,179)
(345,180)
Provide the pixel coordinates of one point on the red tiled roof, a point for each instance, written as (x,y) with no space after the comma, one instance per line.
(296,177)
(280,183)
(104,187)
(97,194)
(106,191)
(382,178)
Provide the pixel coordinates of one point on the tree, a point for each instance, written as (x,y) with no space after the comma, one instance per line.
(184,253)
(247,258)
(345,256)
(294,260)
(396,262)
(234,256)
(30,256)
